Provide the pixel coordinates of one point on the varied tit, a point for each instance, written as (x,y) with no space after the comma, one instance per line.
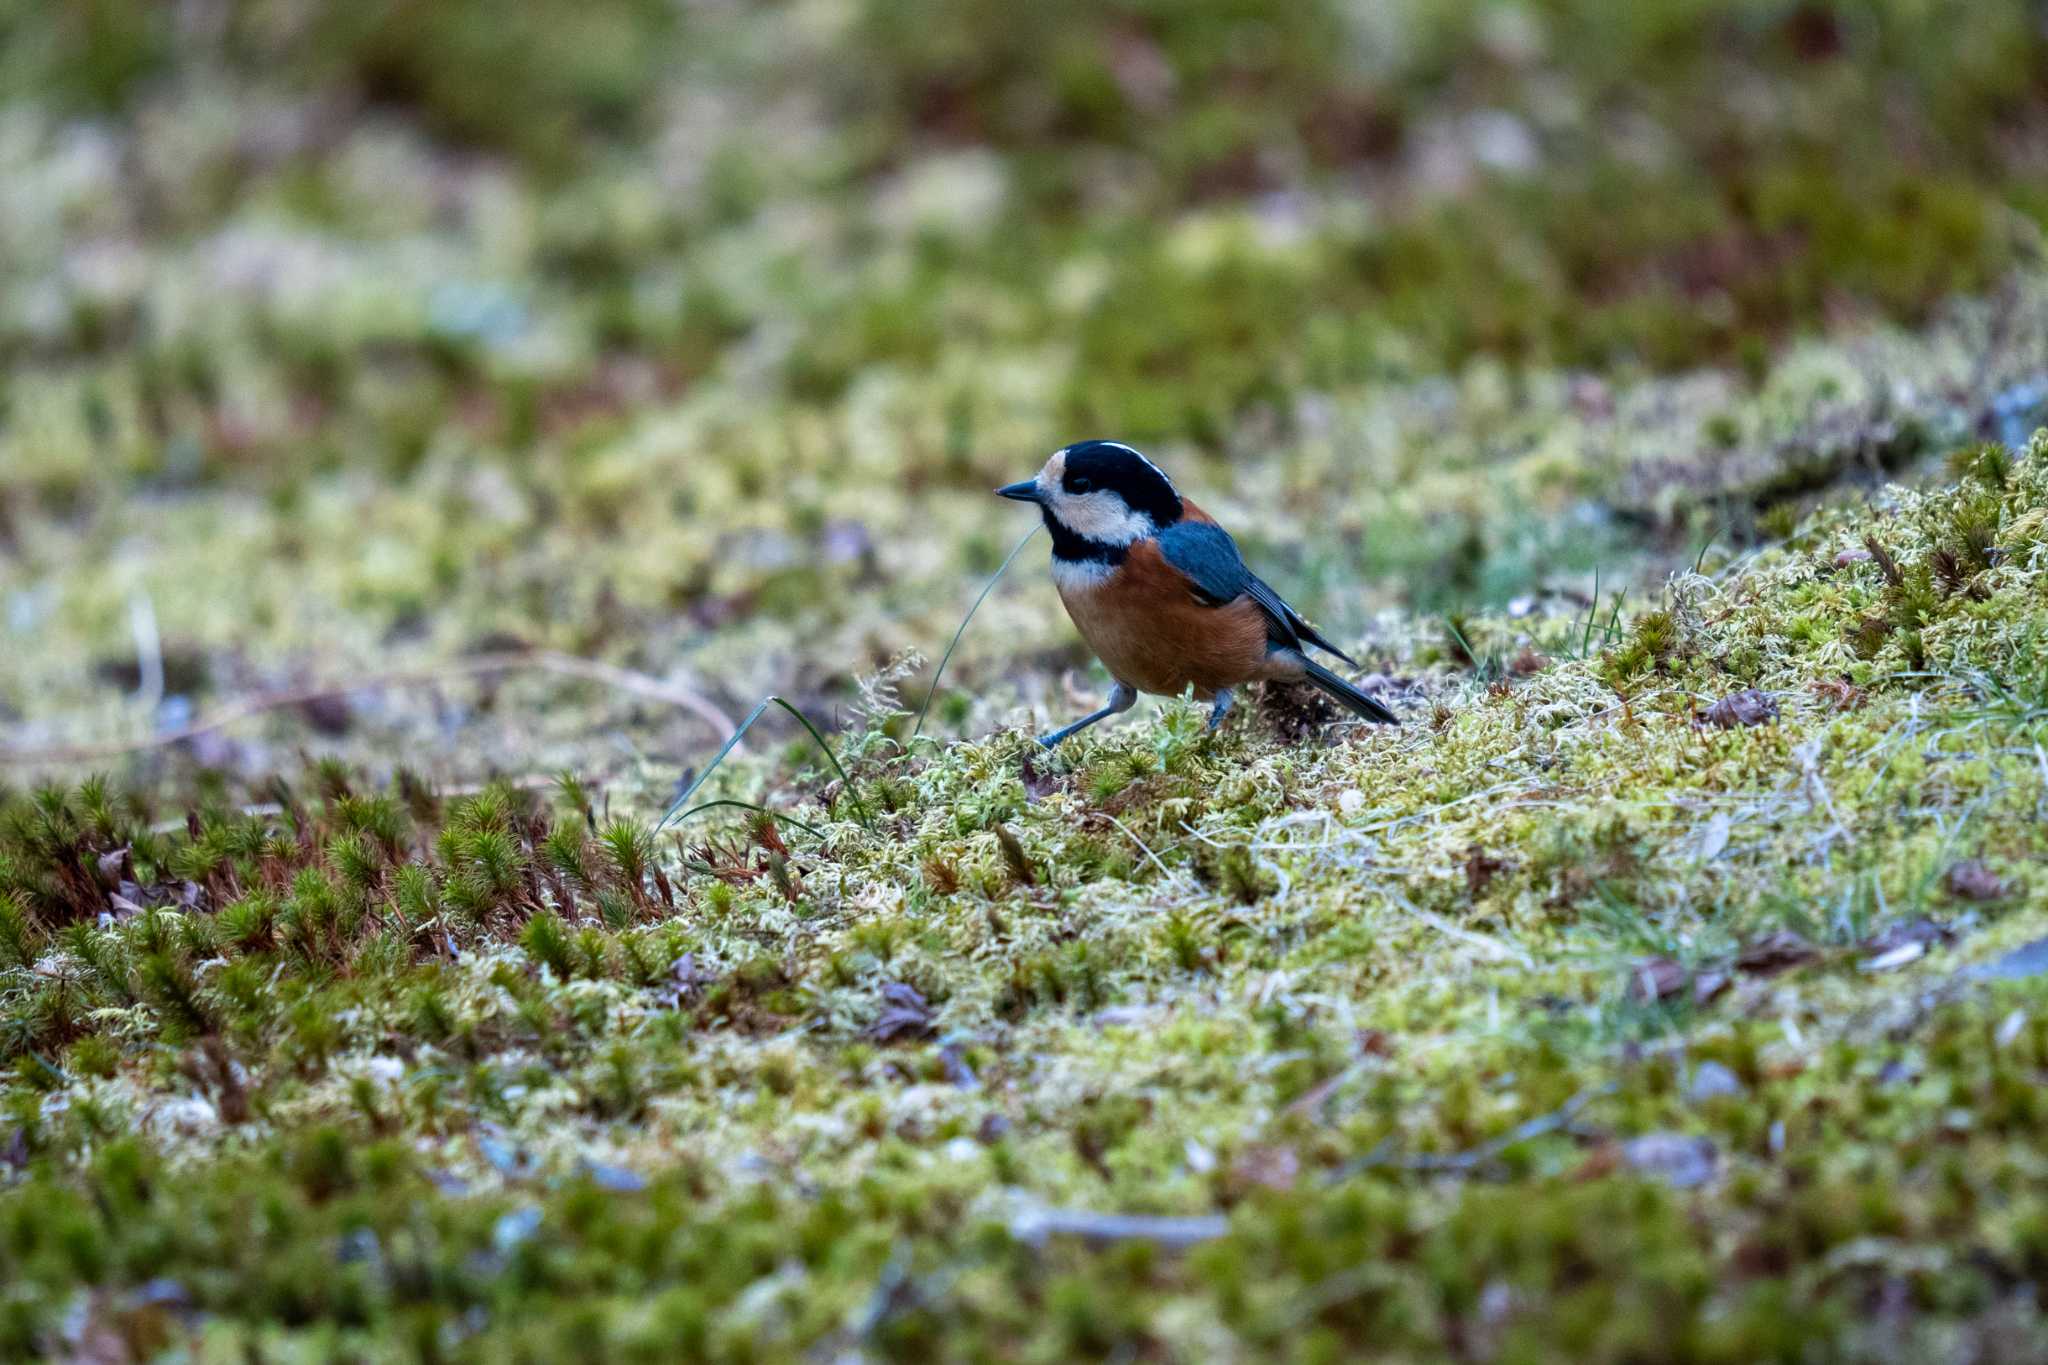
(1160,593)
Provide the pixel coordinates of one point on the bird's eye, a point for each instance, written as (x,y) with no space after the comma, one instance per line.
(1081,485)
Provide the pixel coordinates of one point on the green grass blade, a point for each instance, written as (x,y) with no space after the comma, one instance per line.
(866,818)
(940,671)
(1614,619)
(1706,545)
(1463,643)
(1592,614)
(739,734)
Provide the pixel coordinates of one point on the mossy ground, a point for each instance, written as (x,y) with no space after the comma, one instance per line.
(1648,397)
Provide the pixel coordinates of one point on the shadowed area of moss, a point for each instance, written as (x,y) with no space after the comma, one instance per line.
(1667,998)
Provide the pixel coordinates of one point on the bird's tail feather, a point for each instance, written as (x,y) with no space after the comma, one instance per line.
(1346,695)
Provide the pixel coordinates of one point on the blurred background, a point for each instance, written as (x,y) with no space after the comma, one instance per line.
(365,341)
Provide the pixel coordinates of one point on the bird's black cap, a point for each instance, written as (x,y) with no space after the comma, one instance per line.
(1115,466)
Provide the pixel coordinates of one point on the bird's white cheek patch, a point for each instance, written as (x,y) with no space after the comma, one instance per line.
(1101,516)
(1079,575)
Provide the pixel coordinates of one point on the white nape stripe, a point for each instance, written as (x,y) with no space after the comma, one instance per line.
(1133,450)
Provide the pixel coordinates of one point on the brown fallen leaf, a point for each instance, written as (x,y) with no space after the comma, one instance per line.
(1707,985)
(1037,781)
(1750,706)
(905,1014)
(1838,694)
(1481,868)
(1775,952)
(1656,978)
(1292,712)
(1971,880)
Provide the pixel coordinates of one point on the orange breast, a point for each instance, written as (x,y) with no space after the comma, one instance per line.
(1148,629)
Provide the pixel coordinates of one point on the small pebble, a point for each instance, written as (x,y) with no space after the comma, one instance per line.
(1712,1080)
(1679,1161)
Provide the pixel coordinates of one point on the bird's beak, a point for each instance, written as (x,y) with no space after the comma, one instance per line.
(1027,491)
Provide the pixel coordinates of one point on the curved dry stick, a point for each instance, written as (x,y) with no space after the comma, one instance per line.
(626,680)
(504,661)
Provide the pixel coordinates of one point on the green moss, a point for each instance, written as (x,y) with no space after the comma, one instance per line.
(1652,641)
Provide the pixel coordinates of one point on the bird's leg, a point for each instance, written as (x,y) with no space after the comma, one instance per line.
(1121,699)
(1221,708)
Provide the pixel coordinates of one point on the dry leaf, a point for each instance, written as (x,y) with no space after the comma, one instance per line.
(1774,953)
(1971,880)
(1656,978)
(1750,706)
(904,1014)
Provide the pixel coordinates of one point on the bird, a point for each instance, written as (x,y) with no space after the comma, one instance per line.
(1160,592)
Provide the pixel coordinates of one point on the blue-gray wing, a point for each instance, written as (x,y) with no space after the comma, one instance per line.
(1205,553)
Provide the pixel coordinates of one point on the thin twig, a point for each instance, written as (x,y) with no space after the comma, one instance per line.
(1143,847)
(626,680)
(1471,1159)
(1808,755)
(506,661)
(1034,1227)
(1489,947)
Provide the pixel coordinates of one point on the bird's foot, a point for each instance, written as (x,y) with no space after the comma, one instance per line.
(1220,709)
